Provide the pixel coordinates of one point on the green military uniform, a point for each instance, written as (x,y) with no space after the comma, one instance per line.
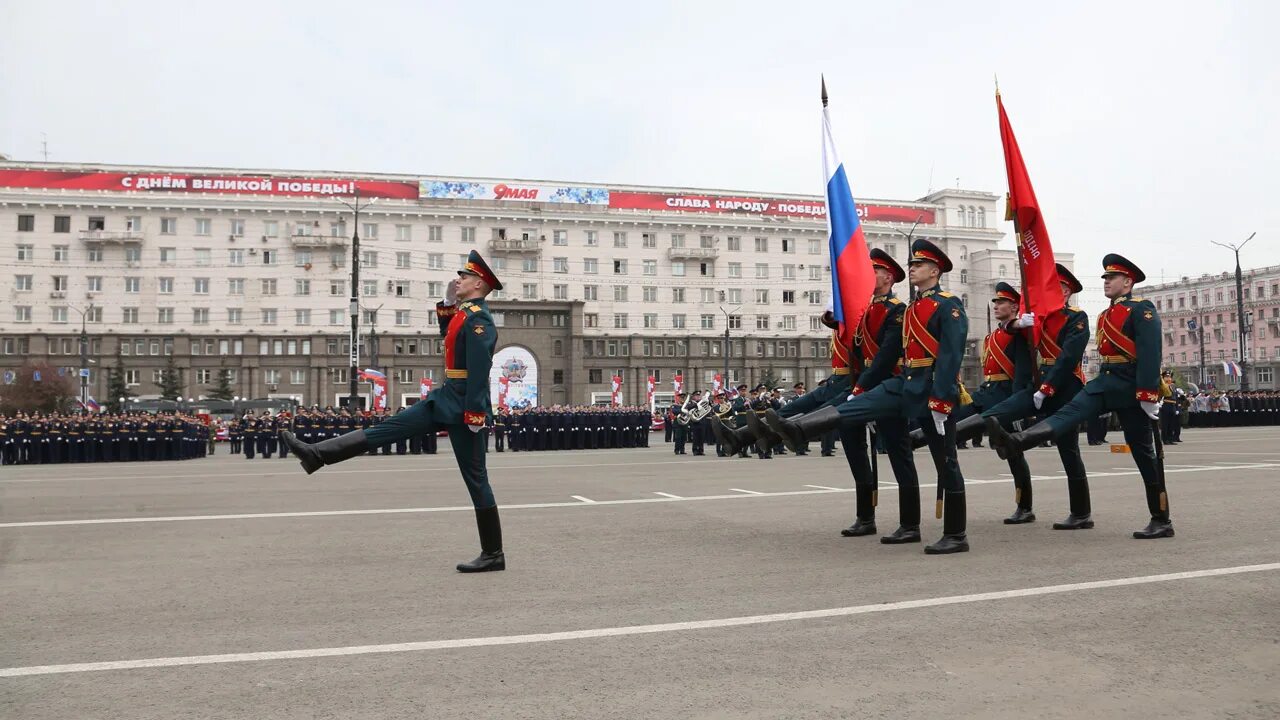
(463,399)
(1064,336)
(1129,343)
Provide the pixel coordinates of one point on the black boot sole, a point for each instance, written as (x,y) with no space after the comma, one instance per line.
(951,548)
(900,539)
(1144,535)
(1086,525)
(858,531)
(497,565)
(1020,520)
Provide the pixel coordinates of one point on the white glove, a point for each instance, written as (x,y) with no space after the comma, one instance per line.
(1151,409)
(1038,399)
(451,293)
(1025,320)
(475,428)
(851,396)
(940,422)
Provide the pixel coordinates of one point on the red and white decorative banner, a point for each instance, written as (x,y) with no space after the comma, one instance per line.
(677,381)
(649,398)
(160,182)
(616,395)
(800,207)
(504,384)
(424,385)
(717,383)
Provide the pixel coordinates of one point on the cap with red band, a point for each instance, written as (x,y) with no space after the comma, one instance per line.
(477,266)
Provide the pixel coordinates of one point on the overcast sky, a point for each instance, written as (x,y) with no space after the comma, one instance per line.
(1148,128)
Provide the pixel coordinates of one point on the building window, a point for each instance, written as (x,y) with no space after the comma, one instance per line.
(26,223)
(982,217)
(559,237)
(677,268)
(707,322)
(164,315)
(94,254)
(61,253)
(203,226)
(237,228)
(529,291)
(762,322)
(650,294)
(734,295)
(590,266)
(22,313)
(199,316)
(62,223)
(650,321)
(530,264)
(735,322)
(762,296)
(22,283)
(678,321)
(619,267)
(762,271)
(435,233)
(369,258)
(788,297)
(620,239)
(336,317)
(591,320)
(402,318)
(402,288)
(620,320)
(164,285)
(677,295)
(468,235)
(269,316)
(964,277)
(590,292)
(302,316)
(762,244)
(560,264)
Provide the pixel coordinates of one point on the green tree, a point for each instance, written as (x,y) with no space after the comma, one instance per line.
(52,392)
(171,380)
(221,389)
(116,386)
(770,379)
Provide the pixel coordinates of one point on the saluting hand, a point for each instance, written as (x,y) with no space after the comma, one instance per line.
(451,292)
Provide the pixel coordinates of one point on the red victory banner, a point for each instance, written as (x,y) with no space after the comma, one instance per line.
(163,182)
(616,395)
(1040,291)
(424,386)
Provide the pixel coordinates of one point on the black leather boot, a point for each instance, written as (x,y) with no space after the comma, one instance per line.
(1022,496)
(797,431)
(326,452)
(765,437)
(734,440)
(1158,504)
(491,558)
(1012,445)
(1081,508)
(904,534)
(953,538)
(865,522)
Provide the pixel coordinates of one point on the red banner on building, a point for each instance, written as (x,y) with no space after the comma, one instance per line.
(761,206)
(221,184)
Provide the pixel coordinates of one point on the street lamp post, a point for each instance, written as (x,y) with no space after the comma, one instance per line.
(728,347)
(1242,327)
(84,358)
(355,207)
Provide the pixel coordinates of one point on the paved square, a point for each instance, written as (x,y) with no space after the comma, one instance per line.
(640,585)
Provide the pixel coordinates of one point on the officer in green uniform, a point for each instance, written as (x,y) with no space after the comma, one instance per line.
(934,330)
(1064,335)
(461,405)
(1129,343)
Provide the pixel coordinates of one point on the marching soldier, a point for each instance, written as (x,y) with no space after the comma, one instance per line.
(461,404)
(680,431)
(1064,336)
(933,337)
(1129,384)
(695,426)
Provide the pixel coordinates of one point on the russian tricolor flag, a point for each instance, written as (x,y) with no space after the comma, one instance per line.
(371,374)
(852,280)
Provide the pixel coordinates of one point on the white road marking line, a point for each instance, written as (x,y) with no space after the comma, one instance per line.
(740,494)
(298,473)
(824,487)
(667,495)
(749,492)
(628,630)
(579,498)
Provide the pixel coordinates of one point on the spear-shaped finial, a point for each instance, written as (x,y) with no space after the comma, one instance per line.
(824,91)
(997,78)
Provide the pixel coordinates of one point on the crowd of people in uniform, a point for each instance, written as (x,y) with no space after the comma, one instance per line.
(1232,408)
(688,424)
(52,438)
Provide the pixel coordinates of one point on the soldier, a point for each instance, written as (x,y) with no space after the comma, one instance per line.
(7,455)
(461,404)
(1168,409)
(934,331)
(500,429)
(1130,345)
(1064,336)
(678,428)
(695,426)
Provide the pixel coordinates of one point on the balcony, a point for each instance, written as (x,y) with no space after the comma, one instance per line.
(515,245)
(693,253)
(117,237)
(317,241)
